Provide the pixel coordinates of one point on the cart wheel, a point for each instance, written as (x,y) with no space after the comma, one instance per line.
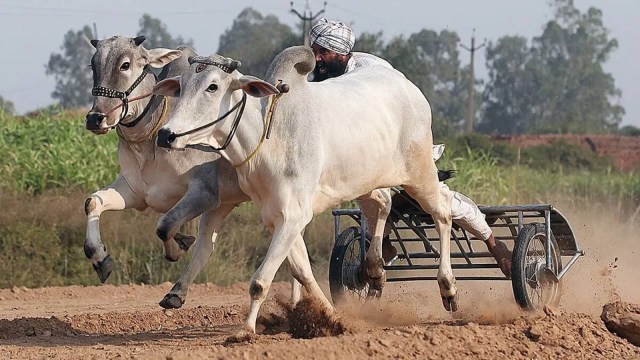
(533,286)
(347,282)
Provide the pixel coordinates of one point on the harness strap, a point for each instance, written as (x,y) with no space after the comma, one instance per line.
(234,126)
(135,121)
(155,128)
(115,94)
(123,96)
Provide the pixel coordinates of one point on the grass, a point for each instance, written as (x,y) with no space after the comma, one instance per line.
(54,152)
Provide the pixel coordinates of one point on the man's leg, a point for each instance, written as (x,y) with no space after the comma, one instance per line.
(466,214)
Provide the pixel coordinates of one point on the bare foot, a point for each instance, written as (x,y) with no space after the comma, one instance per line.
(502,254)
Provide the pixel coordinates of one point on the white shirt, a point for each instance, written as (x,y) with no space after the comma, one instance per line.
(360,59)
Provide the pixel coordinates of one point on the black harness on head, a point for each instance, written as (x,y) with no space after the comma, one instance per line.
(228,68)
(124,97)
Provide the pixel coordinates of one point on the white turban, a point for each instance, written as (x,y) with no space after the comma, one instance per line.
(332,35)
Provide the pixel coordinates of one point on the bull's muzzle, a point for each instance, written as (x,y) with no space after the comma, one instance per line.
(94,121)
(165,138)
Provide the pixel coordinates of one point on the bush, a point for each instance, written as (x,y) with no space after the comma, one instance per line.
(563,156)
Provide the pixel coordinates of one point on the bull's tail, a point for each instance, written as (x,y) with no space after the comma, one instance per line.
(446,174)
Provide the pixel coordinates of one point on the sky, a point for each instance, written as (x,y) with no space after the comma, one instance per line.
(32,30)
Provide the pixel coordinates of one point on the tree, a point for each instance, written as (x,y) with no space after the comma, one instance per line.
(7,107)
(71,69)
(158,35)
(506,109)
(557,84)
(370,43)
(255,40)
(431,61)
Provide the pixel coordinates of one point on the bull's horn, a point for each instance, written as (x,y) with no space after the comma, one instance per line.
(234,65)
(139,40)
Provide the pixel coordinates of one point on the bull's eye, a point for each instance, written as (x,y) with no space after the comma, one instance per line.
(212,88)
(125,66)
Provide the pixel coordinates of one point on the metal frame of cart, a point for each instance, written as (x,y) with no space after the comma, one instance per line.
(539,236)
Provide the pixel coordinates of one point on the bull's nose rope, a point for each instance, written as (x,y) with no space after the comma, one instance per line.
(158,124)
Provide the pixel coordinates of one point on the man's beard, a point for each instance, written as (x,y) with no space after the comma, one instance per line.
(327,70)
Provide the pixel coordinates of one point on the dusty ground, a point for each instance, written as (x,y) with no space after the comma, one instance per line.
(126,322)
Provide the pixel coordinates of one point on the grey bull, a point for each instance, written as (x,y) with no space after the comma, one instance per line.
(330,142)
(181,185)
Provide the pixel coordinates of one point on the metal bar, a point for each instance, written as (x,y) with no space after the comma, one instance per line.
(507,208)
(547,224)
(570,263)
(476,255)
(346,212)
(336,228)
(363,238)
(520,221)
(459,278)
(464,253)
(468,239)
(400,241)
(436,267)
(425,240)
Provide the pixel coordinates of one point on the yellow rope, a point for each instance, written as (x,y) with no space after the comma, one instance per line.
(266,121)
(159,123)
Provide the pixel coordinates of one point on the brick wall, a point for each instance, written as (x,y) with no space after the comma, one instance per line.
(623,150)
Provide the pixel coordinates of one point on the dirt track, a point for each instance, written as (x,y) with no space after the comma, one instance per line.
(114,322)
(126,322)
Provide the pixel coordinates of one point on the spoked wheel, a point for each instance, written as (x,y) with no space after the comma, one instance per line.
(533,285)
(347,277)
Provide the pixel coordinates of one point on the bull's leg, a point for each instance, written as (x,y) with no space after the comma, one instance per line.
(198,199)
(210,224)
(296,288)
(376,207)
(286,232)
(438,205)
(117,196)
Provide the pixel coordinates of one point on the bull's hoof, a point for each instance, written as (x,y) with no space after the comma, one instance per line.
(171,301)
(104,268)
(240,336)
(378,283)
(450,303)
(184,241)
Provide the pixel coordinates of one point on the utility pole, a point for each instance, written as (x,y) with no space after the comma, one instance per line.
(468,128)
(307,18)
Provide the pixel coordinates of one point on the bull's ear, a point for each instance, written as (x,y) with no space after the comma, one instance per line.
(254,86)
(94,43)
(161,57)
(168,87)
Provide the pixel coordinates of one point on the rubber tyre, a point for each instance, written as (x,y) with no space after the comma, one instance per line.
(521,269)
(345,262)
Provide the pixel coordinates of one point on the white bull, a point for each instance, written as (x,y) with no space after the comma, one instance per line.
(331,142)
(181,185)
